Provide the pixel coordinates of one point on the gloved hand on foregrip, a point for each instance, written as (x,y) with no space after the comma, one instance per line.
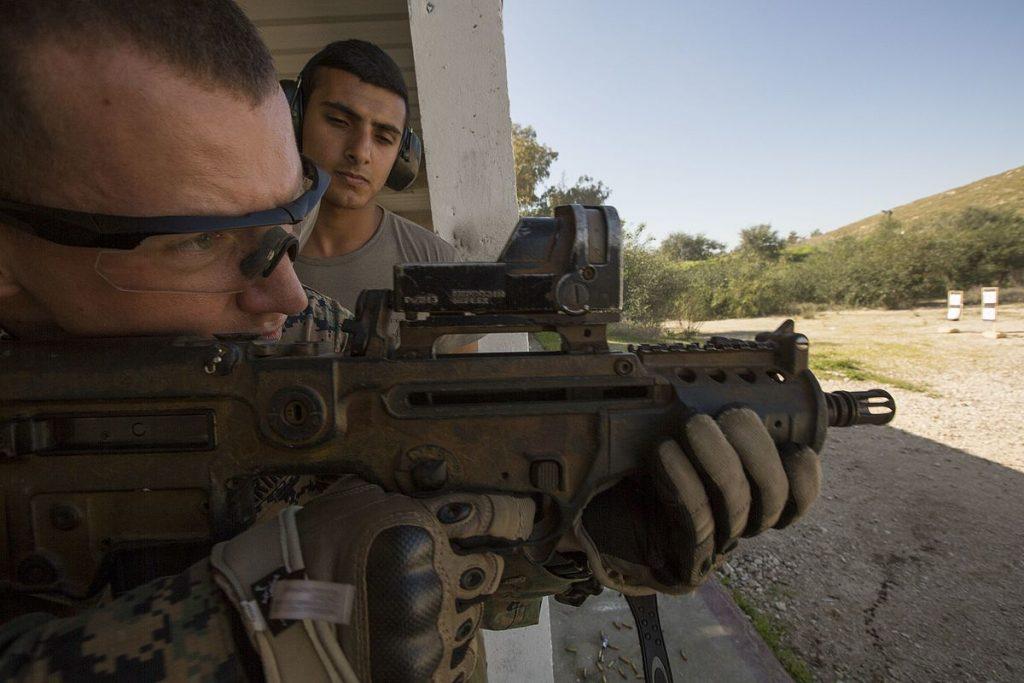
(372,586)
(666,529)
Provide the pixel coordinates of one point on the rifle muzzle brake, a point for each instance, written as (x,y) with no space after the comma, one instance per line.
(849,408)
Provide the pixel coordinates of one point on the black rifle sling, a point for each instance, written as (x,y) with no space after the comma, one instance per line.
(652,640)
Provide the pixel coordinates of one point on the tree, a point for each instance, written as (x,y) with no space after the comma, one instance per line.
(762,241)
(585,191)
(681,246)
(533,161)
(792,237)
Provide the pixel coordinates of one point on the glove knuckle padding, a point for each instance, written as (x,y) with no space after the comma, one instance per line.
(499,517)
(769,487)
(722,475)
(412,582)
(413,603)
(803,469)
(404,597)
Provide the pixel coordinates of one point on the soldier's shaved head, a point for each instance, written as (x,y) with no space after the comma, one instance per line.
(209,41)
(137,108)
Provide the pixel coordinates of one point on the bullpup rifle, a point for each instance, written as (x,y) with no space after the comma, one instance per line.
(121,458)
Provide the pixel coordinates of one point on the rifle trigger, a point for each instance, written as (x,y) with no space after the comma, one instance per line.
(652,640)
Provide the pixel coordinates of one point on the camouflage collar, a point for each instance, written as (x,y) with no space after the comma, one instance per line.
(320,322)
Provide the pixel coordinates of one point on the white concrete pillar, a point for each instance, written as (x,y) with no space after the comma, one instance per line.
(459,54)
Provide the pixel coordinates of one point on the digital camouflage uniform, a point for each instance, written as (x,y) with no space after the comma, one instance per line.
(174,628)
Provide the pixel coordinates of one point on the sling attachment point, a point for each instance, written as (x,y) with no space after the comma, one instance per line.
(652,640)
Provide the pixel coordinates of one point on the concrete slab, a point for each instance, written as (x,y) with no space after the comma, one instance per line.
(716,638)
(521,654)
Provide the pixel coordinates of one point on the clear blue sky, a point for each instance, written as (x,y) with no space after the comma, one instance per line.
(713,116)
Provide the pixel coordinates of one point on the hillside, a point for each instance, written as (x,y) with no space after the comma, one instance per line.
(1001,191)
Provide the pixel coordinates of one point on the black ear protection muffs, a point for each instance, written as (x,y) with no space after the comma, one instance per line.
(410,149)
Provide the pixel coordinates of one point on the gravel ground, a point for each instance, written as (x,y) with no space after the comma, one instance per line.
(911,566)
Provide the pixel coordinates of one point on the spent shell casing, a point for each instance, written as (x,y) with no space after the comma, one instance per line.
(683,655)
(570,648)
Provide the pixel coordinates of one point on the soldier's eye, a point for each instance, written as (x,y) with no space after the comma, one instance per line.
(200,243)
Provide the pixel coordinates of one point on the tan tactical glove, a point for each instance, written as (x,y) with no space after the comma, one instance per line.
(664,531)
(367,585)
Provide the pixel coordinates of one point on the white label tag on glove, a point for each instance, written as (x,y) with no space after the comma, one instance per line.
(318,600)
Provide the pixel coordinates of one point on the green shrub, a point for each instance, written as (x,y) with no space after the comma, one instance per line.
(651,284)
(894,266)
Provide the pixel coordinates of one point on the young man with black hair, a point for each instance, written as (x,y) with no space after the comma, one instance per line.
(355,108)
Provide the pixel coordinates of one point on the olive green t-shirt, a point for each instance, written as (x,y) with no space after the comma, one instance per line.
(397,240)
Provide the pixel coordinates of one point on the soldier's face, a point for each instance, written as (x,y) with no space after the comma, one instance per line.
(129,136)
(352,129)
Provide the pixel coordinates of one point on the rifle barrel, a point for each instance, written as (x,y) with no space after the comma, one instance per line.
(849,408)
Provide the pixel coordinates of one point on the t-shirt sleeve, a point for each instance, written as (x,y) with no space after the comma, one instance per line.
(446,253)
(173,628)
(416,244)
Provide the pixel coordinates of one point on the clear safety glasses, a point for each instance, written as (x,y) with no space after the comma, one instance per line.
(203,254)
(212,262)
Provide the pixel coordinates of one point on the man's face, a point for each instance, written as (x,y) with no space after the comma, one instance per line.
(352,129)
(134,137)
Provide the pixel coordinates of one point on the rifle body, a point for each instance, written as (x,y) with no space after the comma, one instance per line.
(113,446)
(151,448)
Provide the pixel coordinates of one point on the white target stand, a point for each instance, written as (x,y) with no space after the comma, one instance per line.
(989,301)
(954,304)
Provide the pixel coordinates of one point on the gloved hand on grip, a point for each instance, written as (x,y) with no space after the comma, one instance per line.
(666,529)
(371,586)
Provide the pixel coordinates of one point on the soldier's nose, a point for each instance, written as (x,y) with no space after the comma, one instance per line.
(279,292)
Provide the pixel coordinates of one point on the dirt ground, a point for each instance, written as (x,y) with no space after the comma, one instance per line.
(911,566)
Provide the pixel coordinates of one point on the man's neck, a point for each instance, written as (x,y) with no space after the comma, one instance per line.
(342,231)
